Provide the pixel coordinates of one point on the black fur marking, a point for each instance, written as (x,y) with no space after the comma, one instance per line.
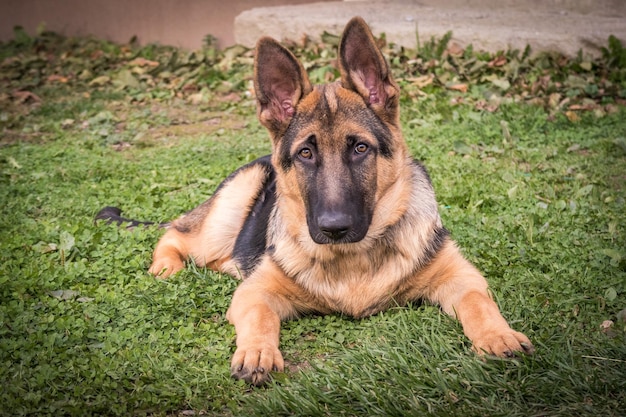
(382,134)
(195,217)
(114,215)
(252,239)
(294,128)
(364,116)
(439,238)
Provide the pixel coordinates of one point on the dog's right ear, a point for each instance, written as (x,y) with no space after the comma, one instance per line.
(280,81)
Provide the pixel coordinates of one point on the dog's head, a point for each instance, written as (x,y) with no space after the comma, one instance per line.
(336,146)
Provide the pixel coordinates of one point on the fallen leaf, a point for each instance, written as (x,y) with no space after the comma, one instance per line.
(24,97)
(100,81)
(423,81)
(57,78)
(121,146)
(43,247)
(65,124)
(13,162)
(455,49)
(501,83)
(553,100)
(573,148)
(143,62)
(483,105)
(196,98)
(498,61)
(64,294)
(582,106)
(458,87)
(572,116)
(126,79)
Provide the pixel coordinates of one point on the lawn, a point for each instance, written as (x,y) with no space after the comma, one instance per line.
(528,156)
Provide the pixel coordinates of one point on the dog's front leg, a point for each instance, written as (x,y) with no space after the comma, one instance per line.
(461,291)
(259,304)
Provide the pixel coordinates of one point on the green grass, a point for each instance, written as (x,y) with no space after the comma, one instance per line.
(534,190)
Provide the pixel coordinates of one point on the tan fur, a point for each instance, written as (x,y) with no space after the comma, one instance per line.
(213,228)
(404,255)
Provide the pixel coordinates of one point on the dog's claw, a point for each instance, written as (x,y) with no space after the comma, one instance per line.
(252,365)
(505,343)
(528,348)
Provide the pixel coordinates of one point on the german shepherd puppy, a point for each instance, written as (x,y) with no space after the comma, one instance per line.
(339,218)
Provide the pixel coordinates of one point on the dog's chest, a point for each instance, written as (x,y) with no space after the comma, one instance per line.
(358,286)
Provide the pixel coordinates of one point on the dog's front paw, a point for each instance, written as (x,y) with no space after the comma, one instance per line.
(254,364)
(504,343)
(163,267)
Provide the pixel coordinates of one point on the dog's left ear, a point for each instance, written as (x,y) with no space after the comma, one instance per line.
(365,70)
(280,82)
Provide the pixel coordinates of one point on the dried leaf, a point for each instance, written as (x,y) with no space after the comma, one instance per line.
(572,116)
(423,81)
(142,62)
(582,106)
(455,49)
(502,83)
(498,61)
(553,100)
(125,79)
(100,81)
(13,162)
(43,247)
(24,97)
(458,87)
(67,123)
(57,78)
(64,294)
(573,148)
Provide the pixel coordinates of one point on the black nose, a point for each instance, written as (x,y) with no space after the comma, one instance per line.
(335,225)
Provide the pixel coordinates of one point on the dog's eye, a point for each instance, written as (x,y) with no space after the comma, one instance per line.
(305,153)
(360,148)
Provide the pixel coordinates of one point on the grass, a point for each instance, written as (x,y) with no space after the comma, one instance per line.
(530,179)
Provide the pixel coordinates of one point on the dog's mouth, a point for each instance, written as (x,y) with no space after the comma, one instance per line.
(323,239)
(323,235)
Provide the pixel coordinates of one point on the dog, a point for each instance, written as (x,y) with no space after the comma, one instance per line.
(338,219)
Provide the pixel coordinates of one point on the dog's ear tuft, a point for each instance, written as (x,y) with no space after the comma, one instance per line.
(365,70)
(279,82)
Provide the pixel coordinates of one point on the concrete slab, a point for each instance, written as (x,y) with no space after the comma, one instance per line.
(181,23)
(564,26)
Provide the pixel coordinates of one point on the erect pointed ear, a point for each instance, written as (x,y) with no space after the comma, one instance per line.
(365,71)
(279,82)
